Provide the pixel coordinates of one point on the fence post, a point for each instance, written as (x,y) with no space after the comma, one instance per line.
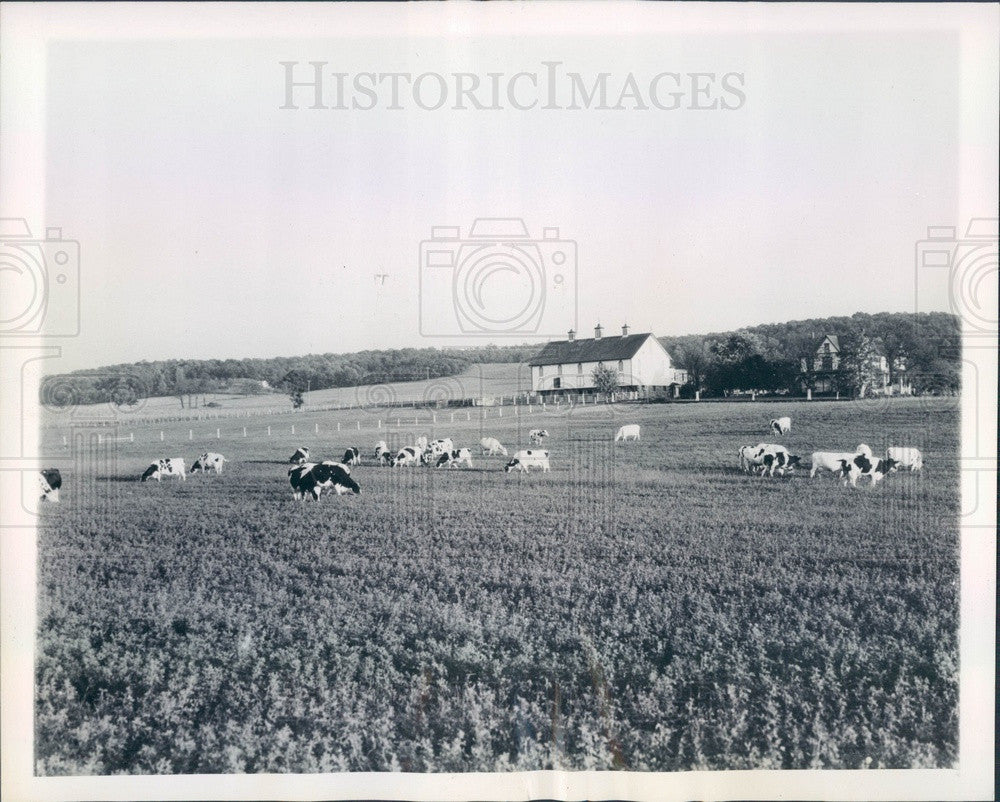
(244,431)
(452,420)
(397,422)
(131,437)
(190,434)
(434,417)
(293,428)
(338,426)
(217,435)
(809,394)
(500,412)
(98,439)
(380,424)
(268,431)
(697,395)
(316,428)
(359,426)
(468,416)
(65,443)
(753,396)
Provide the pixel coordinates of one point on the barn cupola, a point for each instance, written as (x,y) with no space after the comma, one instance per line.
(625,330)
(571,336)
(598,331)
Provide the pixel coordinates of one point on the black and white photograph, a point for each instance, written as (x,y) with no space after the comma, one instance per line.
(498,401)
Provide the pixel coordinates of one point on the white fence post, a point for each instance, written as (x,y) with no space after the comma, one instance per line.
(468,416)
(98,439)
(268,431)
(217,435)
(161,435)
(397,422)
(452,420)
(338,426)
(809,394)
(380,424)
(434,417)
(65,443)
(244,431)
(359,426)
(293,428)
(499,412)
(190,434)
(131,437)
(316,428)
(697,395)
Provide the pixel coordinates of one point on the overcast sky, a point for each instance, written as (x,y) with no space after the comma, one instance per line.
(213,223)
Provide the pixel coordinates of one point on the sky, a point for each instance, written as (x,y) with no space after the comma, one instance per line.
(213,223)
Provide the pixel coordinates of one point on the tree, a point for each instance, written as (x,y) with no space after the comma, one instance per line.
(606,379)
(859,366)
(692,355)
(295,383)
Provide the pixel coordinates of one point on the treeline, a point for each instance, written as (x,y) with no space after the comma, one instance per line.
(924,349)
(190,380)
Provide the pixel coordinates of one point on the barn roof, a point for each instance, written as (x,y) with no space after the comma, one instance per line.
(606,349)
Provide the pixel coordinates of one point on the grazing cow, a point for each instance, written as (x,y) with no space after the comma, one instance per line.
(207,461)
(381,447)
(906,457)
(300,456)
(781,425)
(526,458)
(491,446)
(831,460)
(747,461)
(864,448)
(312,479)
(385,458)
(453,458)
(853,469)
(173,466)
(537,435)
(421,443)
(49,482)
(352,456)
(440,446)
(770,458)
(410,455)
(629,432)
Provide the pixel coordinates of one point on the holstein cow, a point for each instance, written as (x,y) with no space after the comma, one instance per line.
(438,447)
(381,447)
(832,460)
(49,482)
(208,461)
(526,458)
(352,456)
(629,432)
(410,455)
(300,456)
(906,457)
(173,466)
(312,479)
(537,435)
(453,458)
(747,463)
(491,446)
(781,425)
(770,457)
(861,465)
(421,443)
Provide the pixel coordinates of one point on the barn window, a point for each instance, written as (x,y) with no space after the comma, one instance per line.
(621,365)
(556,383)
(560,370)
(541,370)
(579,368)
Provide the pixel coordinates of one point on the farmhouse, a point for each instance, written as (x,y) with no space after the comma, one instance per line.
(823,368)
(567,366)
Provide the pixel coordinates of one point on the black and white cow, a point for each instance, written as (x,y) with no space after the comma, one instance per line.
(455,457)
(862,465)
(312,478)
(208,461)
(537,435)
(171,466)
(49,482)
(352,456)
(781,425)
(440,446)
(769,458)
(527,458)
(381,447)
(300,456)
(409,455)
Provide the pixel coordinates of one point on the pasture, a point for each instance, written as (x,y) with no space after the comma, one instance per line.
(644,606)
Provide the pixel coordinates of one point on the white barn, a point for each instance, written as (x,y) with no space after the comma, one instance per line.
(567,366)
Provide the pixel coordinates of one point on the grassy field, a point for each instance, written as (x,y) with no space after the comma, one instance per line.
(501,379)
(645,606)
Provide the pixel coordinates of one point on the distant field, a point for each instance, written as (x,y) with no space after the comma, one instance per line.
(645,606)
(479,380)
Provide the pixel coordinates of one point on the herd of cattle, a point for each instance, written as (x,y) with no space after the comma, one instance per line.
(767,459)
(310,479)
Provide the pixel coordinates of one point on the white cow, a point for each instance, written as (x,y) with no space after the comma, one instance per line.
(769,458)
(833,460)
(172,466)
(861,465)
(208,461)
(537,435)
(747,462)
(453,458)
(781,425)
(491,446)
(629,432)
(421,443)
(410,455)
(527,458)
(906,457)
(440,446)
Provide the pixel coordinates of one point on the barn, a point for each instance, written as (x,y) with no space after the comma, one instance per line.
(567,366)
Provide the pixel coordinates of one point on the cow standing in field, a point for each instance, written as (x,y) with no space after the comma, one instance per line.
(771,458)
(862,465)
(421,443)
(381,447)
(311,479)
(453,458)
(172,466)
(832,461)
(410,455)
(748,463)
(208,461)
(781,425)
(443,445)
(492,446)
(536,436)
(528,458)
(300,456)
(906,457)
(626,433)
(352,456)
(49,482)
